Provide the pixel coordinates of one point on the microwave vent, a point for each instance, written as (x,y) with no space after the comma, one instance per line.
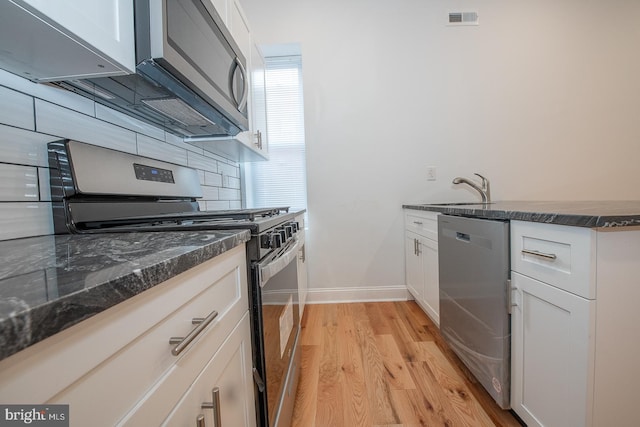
(463,18)
(177,110)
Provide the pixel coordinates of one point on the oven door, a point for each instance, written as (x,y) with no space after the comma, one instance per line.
(277,276)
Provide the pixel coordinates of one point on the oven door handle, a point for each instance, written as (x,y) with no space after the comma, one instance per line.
(276,265)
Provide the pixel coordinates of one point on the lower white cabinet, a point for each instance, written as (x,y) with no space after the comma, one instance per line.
(575,346)
(552,338)
(421,261)
(228,374)
(118,367)
(303,285)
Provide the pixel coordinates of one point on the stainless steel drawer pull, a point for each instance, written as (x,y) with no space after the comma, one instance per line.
(183,342)
(417,222)
(539,254)
(215,405)
(200,421)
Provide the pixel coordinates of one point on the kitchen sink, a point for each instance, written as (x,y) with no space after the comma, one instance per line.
(458,204)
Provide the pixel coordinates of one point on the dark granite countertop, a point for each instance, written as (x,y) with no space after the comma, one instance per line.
(50,283)
(579,214)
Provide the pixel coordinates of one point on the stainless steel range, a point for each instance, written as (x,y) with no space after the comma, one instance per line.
(98,190)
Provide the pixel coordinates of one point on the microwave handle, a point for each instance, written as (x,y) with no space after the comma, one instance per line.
(245,89)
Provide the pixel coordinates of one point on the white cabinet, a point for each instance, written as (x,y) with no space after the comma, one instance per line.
(46,40)
(302,266)
(123,355)
(421,260)
(574,307)
(227,374)
(552,334)
(258,99)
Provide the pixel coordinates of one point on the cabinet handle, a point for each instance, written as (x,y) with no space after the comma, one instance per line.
(200,421)
(183,342)
(417,222)
(418,251)
(215,405)
(539,254)
(415,247)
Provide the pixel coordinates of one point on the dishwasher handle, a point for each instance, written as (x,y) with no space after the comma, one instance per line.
(463,237)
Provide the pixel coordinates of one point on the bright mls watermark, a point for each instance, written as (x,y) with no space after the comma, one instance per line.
(34,415)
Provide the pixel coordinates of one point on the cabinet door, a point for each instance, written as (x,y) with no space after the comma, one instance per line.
(258,94)
(221,8)
(105,26)
(413,266)
(230,372)
(551,367)
(429,253)
(239,27)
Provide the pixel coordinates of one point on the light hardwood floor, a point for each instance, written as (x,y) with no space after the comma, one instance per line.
(384,364)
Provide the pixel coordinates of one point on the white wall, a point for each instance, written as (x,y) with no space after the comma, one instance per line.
(31,115)
(541,97)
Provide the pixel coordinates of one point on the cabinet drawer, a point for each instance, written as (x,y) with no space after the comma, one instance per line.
(558,255)
(422,222)
(179,395)
(119,354)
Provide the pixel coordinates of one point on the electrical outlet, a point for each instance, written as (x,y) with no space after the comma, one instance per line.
(431,173)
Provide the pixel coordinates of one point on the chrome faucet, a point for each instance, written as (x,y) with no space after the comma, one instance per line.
(484,190)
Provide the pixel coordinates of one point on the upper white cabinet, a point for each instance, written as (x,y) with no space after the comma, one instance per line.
(574,311)
(239,27)
(258,99)
(47,40)
(421,260)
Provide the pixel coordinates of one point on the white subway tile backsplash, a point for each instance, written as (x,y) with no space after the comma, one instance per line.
(18,183)
(160,150)
(17,109)
(199,161)
(127,122)
(24,147)
(210,193)
(231,182)
(218,205)
(47,92)
(229,194)
(214,179)
(227,169)
(44,184)
(38,114)
(25,220)
(179,142)
(55,120)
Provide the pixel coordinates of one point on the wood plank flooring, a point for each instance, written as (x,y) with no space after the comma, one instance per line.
(385,364)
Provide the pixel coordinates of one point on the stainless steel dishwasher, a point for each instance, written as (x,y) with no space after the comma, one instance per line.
(473,257)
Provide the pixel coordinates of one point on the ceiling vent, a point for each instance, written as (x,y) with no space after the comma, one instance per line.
(463,18)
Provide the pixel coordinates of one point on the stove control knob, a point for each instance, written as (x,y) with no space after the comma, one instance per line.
(265,241)
(276,240)
(296,227)
(289,230)
(283,235)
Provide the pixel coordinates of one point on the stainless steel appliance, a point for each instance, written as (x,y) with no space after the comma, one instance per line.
(98,190)
(191,76)
(473,257)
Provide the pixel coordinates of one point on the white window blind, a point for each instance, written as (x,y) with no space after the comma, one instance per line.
(281,181)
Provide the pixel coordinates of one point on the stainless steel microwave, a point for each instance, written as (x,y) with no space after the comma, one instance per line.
(190,76)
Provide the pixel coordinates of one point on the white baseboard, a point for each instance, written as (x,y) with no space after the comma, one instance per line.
(337,295)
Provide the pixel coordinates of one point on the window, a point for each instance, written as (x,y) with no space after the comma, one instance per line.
(281,181)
